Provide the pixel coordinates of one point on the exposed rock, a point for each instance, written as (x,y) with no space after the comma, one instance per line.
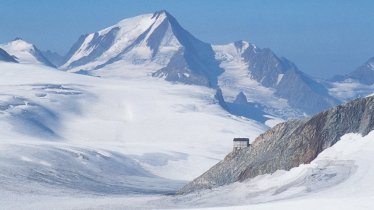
(289,144)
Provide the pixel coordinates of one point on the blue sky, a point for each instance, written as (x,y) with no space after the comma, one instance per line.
(323,38)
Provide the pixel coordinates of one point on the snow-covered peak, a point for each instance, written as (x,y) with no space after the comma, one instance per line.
(137,40)
(20,45)
(25,52)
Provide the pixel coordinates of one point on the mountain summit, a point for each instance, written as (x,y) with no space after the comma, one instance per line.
(25,52)
(147,43)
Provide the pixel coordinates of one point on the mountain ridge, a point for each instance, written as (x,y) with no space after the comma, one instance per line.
(156,44)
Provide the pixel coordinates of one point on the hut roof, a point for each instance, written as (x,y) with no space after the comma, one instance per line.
(241,139)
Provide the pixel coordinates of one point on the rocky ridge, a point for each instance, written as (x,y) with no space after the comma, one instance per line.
(288,145)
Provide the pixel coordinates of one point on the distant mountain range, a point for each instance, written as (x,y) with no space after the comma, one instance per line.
(250,81)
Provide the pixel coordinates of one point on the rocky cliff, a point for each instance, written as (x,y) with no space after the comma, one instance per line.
(289,144)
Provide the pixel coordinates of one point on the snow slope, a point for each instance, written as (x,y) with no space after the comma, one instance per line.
(237,79)
(341,177)
(67,134)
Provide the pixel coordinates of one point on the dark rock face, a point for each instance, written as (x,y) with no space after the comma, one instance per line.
(264,65)
(289,144)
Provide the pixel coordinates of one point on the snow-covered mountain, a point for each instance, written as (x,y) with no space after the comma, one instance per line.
(151,43)
(259,72)
(4,56)
(358,83)
(155,44)
(125,139)
(25,52)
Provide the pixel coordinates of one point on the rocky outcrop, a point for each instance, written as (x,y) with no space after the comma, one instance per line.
(289,144)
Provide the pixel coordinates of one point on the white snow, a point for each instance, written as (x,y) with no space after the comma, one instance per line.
(280,77)
(69,136)
(71,141)
(237,78)
(23,50)
(341,177)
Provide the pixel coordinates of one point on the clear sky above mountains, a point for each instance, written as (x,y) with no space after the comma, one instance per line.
(323,38)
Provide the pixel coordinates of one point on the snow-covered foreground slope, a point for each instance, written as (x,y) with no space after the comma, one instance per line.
(66,135)
(341,177)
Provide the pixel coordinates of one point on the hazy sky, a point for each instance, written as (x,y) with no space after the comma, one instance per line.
(323,38)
